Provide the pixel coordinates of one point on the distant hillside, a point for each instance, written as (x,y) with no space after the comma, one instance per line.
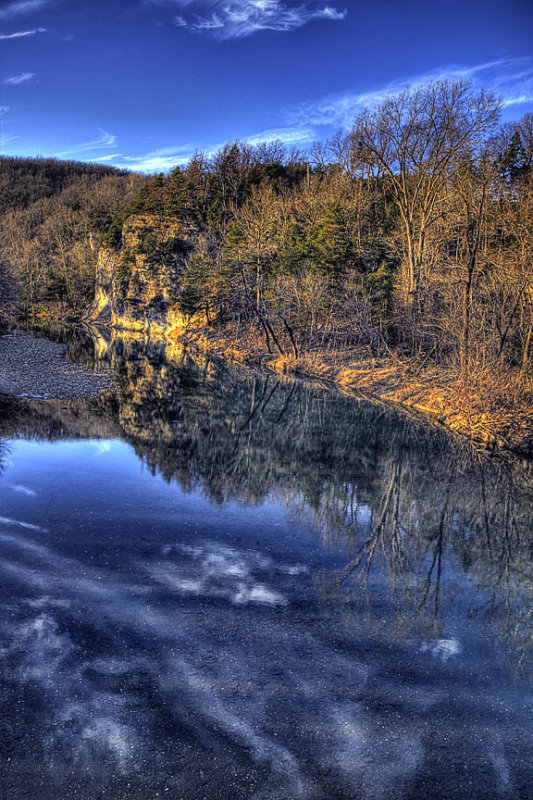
(24,180)
(47,244)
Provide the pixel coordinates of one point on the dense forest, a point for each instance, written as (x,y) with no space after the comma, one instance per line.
(408,237)
(47,255)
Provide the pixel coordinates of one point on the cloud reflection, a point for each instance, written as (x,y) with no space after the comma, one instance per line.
(95,644)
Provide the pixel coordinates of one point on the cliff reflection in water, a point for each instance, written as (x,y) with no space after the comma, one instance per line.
(409,505)
(312,596)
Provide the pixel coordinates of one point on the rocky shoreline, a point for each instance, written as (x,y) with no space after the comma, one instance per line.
(34,367)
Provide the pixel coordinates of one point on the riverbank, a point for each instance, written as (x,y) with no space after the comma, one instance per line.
(482,410)
(34,367)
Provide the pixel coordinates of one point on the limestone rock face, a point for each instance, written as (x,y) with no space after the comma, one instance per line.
(138,285)
(106,268)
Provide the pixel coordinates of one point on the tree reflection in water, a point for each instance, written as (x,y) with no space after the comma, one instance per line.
(408,503)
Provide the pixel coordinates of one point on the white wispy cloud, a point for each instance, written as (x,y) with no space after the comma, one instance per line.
(510,79)
(17,523)
(21,489)
(151,162)
(19,7)
(517,100)
(166,158)
(514,81)
(3,110)
(99,159)
(236,19)
(22,34)
(161,159)
(5,140)
(105,140)
(16,80)
(288,136)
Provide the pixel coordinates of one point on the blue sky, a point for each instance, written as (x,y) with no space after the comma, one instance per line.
(144,83)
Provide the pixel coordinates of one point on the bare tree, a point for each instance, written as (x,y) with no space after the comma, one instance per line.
(417,138)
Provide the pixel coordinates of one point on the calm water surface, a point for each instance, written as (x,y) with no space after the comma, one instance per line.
(217,584)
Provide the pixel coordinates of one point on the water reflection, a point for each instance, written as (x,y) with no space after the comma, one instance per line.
(396,495)
(305,595)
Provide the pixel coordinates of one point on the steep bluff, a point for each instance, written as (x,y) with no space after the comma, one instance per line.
(138,281)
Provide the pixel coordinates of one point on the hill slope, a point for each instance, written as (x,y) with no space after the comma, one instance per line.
(47,248)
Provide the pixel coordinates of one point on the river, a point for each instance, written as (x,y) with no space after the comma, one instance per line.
(216,583)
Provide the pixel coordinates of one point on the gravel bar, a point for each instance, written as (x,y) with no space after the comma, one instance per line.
(37,368)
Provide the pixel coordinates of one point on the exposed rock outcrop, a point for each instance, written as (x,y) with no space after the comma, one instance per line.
(137,284)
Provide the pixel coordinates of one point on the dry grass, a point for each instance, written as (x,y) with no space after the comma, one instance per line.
(494,410)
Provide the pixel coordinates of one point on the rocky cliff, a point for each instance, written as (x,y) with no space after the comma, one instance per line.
(138,282)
